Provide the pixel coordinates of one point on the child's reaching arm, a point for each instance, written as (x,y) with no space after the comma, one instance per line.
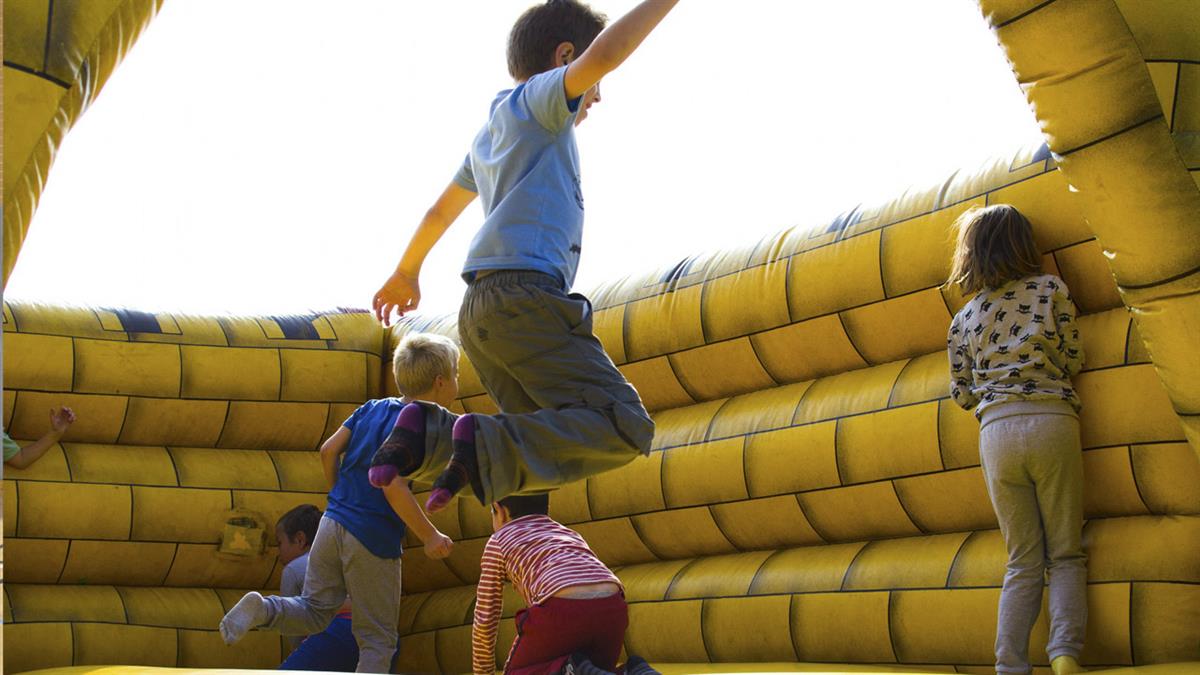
(613,46)
(489,605)
(401,292)
(437,545)
(331,454)
(61,419)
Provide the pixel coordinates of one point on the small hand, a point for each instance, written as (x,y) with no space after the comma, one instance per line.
(401,293)
(61,419)
(439,546)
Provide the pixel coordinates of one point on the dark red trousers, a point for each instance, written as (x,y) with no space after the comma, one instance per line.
(549,633)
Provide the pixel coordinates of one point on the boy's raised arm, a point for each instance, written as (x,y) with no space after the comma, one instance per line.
(401,291)
(613,46)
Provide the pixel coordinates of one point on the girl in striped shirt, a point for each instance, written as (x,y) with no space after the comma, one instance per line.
(576,615)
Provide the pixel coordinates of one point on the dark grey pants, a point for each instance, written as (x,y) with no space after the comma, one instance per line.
(566,411)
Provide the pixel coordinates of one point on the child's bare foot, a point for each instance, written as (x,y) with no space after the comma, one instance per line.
(249,612)
(462,470)
(1066,665)
(403,450)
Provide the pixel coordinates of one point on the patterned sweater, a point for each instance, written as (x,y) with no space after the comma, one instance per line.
(1018,342)
(540,557)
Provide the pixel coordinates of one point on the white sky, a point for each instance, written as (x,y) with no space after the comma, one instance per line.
(270,156)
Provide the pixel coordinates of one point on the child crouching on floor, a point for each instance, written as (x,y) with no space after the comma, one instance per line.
(576,615)
(334,648)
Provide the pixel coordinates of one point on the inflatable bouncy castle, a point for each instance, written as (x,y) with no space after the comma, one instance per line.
(814,500)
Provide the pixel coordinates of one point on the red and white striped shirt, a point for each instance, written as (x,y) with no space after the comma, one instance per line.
(540,557)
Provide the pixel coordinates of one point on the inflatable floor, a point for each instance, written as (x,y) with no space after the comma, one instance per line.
(814,500)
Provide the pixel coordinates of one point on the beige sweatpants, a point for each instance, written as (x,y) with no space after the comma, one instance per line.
(1033,466)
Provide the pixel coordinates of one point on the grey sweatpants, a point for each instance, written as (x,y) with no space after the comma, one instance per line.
(338,563)
(566,411)
(1033,467)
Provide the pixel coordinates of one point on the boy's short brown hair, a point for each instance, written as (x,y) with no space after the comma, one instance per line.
(995,246)
(420,358)
(304,518)
(543,27)
(526,505)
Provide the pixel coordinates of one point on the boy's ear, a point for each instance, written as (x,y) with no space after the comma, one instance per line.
(301,539)
(564,53)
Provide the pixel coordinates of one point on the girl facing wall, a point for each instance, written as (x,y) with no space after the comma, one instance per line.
(1013,349)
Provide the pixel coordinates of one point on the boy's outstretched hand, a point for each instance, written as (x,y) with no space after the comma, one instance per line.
(439,546)
(61,419)
(401,293)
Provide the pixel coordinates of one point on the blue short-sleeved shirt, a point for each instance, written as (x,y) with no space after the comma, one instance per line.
(525,166)
(354,502)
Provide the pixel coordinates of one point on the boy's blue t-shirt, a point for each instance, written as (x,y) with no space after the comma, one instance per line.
(354,502)
(525,166)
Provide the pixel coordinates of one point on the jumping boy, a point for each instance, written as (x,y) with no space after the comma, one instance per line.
(357,546)
(566,411)
(576,615)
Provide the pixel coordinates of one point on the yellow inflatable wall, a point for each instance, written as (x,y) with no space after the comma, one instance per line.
(813,497)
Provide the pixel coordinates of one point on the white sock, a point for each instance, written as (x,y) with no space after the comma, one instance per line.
(250,612)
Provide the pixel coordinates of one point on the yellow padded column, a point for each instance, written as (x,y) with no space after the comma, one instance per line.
(55,64)
(1135,190)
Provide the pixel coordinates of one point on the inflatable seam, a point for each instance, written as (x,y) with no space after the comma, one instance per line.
(908,514)
(954,560)
(36,73)
(1111,136)
(1024,14)
(804,512)
(62,570)
(1163,282)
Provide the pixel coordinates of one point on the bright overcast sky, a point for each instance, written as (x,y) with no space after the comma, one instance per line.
(271,156)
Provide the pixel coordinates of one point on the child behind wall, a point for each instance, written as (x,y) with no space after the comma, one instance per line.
(334,648)
(1013,349)
(357,547)
(295,533)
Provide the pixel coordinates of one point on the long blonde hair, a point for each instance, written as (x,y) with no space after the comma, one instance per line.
(995,245)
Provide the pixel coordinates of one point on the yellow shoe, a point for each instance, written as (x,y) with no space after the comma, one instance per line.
(1066,665)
